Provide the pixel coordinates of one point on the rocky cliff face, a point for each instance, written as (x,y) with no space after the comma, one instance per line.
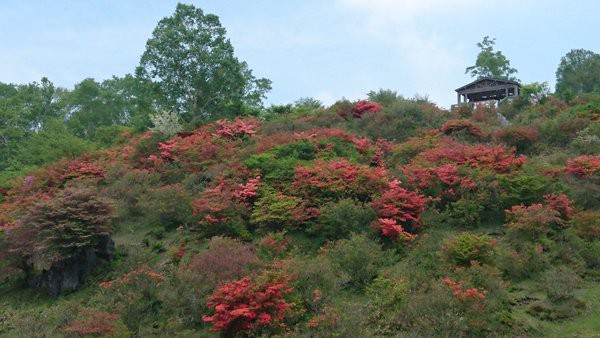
(70,274)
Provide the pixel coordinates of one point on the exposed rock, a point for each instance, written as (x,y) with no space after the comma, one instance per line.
(69,274)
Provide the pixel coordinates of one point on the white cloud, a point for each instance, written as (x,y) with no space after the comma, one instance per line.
(409,27)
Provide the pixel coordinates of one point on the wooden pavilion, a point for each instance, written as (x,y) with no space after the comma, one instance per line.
(487,89)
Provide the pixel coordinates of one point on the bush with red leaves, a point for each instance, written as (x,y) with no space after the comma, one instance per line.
(345,108)
(332,181)
(444,180)
(238,128)
(222,208)
(560,203)
(466,295)
(584,166)
(496,158)
(398,209)
(363,107)
(250,307)
(465,126)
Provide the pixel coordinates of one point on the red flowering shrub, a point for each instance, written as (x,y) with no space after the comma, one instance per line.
(194,151)
(390,229)
(465,295)
(245,192)
(584,166)
(444,180)
(560,203)
(466,126)
(345,108)
(365,107)
(329,181)
(479,156)
(79,169)
(250,307)
(223,208)
(399,209)
(238,128)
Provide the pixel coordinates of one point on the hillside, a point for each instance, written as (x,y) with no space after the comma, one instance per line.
(388,217)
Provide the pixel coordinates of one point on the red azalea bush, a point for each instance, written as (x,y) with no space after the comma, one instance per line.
(399,210)
(330,181)
(223,208)
(238,128)
(472,295)
(365,107)
(496,158)
(584,166)
(443,180)
(466,126)
(560,203)
(194,151)
(250,307)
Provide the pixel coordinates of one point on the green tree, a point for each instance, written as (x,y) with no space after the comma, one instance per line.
(578,72)
(193,64)
(491,63)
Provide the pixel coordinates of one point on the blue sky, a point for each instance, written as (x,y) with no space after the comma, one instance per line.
(326,49)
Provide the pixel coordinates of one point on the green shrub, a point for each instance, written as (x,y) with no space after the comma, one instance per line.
(523,263)
(467,248)
(339,219)
(524,189)
(464,213)
(556,311)
(586,224)
(275,211)
(168,206)
(359,257)
(313,274)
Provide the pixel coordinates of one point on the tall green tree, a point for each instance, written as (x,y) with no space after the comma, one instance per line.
(491,63)
(578,72)
(196,71)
